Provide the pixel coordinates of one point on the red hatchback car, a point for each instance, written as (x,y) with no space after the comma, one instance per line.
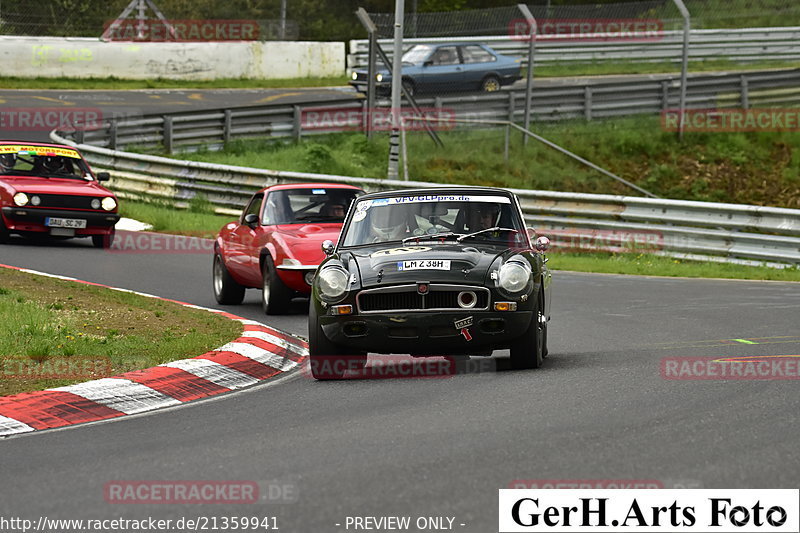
(276,245)
(50,190)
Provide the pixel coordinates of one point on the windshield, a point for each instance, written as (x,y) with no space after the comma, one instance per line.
(43,161)
(298,206)
(416,54)
(437,217)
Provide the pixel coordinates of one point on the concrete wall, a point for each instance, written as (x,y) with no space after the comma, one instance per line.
(92,58)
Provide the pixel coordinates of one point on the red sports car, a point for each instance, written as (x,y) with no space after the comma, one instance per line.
(276,245)
(49,189)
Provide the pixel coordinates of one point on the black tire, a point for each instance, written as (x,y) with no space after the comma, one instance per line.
(326,359)
(528,350)
(3,232)
(104,241)
(490,84)
(226,290)
(276,297)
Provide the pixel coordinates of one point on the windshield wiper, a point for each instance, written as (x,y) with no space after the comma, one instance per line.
(487,230)
(432,236)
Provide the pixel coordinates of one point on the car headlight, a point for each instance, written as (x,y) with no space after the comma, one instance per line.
(96,203)
(354,75)
(332,284)
(21,199)
(514,277)
(379,77)
(108,203)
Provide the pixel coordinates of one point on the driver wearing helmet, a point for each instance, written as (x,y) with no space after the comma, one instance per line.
(7,162)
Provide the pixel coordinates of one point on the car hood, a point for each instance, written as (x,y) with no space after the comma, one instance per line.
(378,266)
(303,241)
(55,186)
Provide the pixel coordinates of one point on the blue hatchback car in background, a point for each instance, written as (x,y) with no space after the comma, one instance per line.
(447,67)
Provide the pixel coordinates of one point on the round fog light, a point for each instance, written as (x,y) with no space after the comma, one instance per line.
(35,200)
(309,278)
(96,203)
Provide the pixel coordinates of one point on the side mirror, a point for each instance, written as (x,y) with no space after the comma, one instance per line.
(427,63)
(328,247)
(251,220)
(103,176)
(542,244)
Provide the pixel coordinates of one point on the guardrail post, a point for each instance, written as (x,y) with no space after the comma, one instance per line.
(512,105)
(664,95)
(226,127)
(168,134)
(745,93)
(79,134)
(587,103)
(297,125)
(112,135)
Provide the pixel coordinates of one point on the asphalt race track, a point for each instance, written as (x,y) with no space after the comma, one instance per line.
(599,409)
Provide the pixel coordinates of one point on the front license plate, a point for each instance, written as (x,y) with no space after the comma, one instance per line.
(73,223)
(424,264)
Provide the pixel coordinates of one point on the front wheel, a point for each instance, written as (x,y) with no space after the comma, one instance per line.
(3,232)
(528,350)
(226,290)
(275,295)
(326,359)
(104,241)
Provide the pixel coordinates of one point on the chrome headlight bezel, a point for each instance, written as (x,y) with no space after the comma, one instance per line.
(514,277)
(21,199)
(332,284)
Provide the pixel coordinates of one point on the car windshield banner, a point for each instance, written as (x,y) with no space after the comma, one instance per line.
(37,150)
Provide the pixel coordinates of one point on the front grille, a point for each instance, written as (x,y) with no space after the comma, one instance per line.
(408,299)
(65,201)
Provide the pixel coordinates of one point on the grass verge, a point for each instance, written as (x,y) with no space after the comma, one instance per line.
(744,167)
(656,265)
(195,221)
(50,325)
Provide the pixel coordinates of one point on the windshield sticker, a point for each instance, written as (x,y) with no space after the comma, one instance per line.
(424,264)
(440,198)
(399,251)
(37,150)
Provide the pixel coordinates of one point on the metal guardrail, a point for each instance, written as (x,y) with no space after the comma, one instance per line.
(586,99)
(750,44)
(735,232)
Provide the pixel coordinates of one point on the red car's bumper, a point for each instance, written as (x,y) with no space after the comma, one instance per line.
(30,219)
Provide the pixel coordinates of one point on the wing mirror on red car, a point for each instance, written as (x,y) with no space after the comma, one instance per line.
(251,219)
(328,247)
(103,176)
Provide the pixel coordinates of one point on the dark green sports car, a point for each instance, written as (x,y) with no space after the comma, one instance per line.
(430,272)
